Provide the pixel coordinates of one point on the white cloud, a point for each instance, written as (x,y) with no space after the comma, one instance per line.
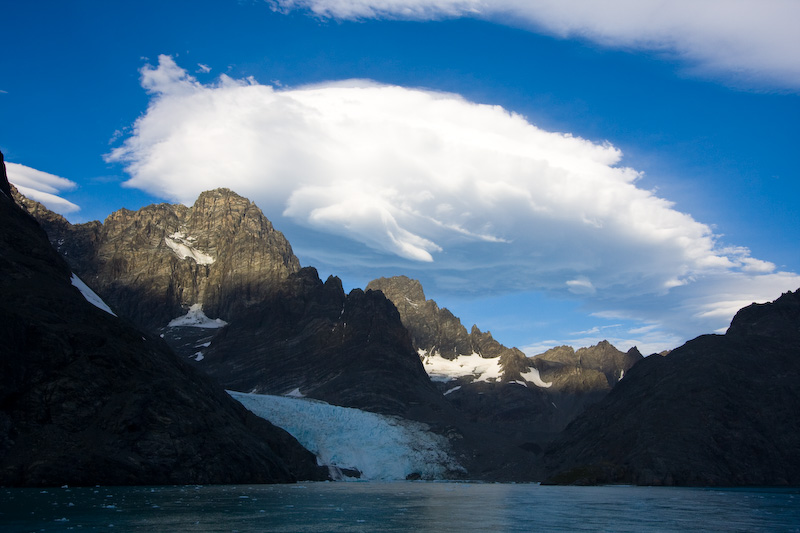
(750,42)
(202,68)
(473,194)
(42,187)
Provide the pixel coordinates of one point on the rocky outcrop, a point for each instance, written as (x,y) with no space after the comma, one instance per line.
(594,369)
(719,410)
(546,391)
(154,263)
(436,331)
(350,350)
(432,329)
(85,398)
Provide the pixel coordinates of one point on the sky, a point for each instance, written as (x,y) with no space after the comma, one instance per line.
(556,172)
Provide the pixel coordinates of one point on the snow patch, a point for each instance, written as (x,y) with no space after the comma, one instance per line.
(380,447)
(195,318)
(532,375)
(183,248)
(517,382)
(451,390)
(90,295)
(441,369)
(295,393)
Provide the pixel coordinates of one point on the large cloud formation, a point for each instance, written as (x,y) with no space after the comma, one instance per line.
(753,43)
(427,180)
(42,187)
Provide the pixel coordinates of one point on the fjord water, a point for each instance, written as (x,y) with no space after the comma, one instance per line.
(399,506)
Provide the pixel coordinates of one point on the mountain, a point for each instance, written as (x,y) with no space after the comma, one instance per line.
(153,264)
(293,335)
(434,330)
(279,329)
(86,398)
(720,410)
(350,350)
(169,267)
(491,382)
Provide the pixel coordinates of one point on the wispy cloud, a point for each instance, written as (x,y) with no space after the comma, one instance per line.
(42,187)
(473,193)
(203,69)
(746,42)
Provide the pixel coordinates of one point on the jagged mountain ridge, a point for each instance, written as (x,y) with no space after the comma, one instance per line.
(286,328)
(85,398)
(307,336)
(494,383)
(508,423)
(720,410)
(154,263)
(435,331)
(350,350)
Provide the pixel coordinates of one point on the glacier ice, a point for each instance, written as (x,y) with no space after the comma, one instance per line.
(381,447)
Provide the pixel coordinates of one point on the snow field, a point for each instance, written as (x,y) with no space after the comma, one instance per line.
(196,318)
(481,369)
(90,295)
(182,246)
(441,369)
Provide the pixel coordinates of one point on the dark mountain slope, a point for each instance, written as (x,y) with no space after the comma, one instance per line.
(87,399)
(349,350)
(720,410)
(287,329)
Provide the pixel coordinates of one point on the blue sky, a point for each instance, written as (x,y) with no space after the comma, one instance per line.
(555,172)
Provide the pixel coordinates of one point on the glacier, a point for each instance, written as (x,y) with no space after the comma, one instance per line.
(381,447)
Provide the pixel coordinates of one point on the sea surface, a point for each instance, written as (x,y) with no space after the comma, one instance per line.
(399,506)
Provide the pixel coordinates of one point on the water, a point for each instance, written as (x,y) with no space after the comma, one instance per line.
(400,506)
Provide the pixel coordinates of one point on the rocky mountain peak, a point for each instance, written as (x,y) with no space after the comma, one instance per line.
(400,288)
(778,318)
(597,367)
(433,330)
(155,263)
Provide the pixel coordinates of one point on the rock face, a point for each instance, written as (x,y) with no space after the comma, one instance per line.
(311,338)
(436,331)
(719,410)
(568,380)
(594,369)
(287,329)
(85,398)
(154,263)
(432,329)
